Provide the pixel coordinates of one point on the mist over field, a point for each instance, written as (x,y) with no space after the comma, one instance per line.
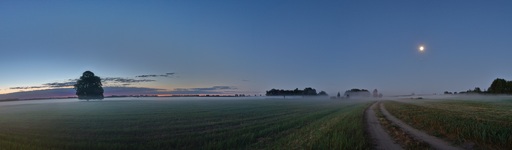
(351,75)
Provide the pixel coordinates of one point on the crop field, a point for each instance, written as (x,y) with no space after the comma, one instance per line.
(225,123)
(467,123)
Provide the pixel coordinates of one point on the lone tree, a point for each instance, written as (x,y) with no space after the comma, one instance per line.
(89,86)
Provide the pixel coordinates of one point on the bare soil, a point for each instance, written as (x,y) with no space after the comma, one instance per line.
(379,137)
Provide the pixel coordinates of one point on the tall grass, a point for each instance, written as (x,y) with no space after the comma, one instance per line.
(462,122)
(196,124)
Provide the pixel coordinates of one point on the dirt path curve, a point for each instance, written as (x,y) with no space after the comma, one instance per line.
(434,142)
(380,138)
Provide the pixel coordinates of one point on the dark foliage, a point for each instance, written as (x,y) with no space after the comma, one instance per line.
(358,90)
(375,93)
(357,93)
(306,92)
(89,86)
(323,93)
(500,86)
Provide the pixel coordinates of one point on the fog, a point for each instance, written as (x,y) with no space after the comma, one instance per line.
(452,97)
(424,98)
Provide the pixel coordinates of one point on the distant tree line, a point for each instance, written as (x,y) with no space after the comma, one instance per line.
(498,86)
(357,93)
(306,92)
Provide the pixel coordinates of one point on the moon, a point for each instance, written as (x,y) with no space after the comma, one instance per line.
(422,48)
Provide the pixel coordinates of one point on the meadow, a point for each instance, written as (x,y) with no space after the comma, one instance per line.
(215,123)
(467,123)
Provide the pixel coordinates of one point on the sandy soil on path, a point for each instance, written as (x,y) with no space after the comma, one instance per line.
(380,138)
(434,142)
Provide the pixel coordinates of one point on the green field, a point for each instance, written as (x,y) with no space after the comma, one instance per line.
(478,124)
(185,124)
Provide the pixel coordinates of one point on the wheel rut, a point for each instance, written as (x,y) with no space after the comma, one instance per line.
(379,137)
(433,141)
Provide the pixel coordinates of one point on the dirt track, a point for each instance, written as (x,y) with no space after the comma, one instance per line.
(379,136)
(434,142)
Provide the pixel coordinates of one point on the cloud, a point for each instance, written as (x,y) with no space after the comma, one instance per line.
(133,91)
(47,85)
(71,82)
(59,84)
(47,93)
(206,90)
(214,88)
(26,87)
(70,92)
(125,80)
(156,75)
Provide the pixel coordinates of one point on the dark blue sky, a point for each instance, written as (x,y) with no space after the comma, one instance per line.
(253,46)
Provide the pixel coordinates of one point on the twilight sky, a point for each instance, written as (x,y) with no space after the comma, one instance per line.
(183,47)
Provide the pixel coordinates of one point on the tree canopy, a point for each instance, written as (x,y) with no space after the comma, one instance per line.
(323,93)
(357,93)
(500,86)
(89,86)
(306,92)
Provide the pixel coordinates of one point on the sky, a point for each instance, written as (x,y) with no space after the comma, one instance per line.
(227,47)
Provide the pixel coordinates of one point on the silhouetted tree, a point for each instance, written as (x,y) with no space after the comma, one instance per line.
(89,86)
(306,92)
(309,91)
(498,86)
(339,95)
(477,90)
(509,87)
(322,93)
(357,93)
(375,93)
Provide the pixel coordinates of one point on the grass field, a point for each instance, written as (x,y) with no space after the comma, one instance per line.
(185,124)
(485,125)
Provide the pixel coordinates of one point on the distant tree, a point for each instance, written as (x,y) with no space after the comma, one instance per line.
(477,90)
(322,93)
(89,86)
(296,91)
(339,95)
(509,87)
(309,91)
(306,92)
(498,86)
(375,93)
(358,93)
